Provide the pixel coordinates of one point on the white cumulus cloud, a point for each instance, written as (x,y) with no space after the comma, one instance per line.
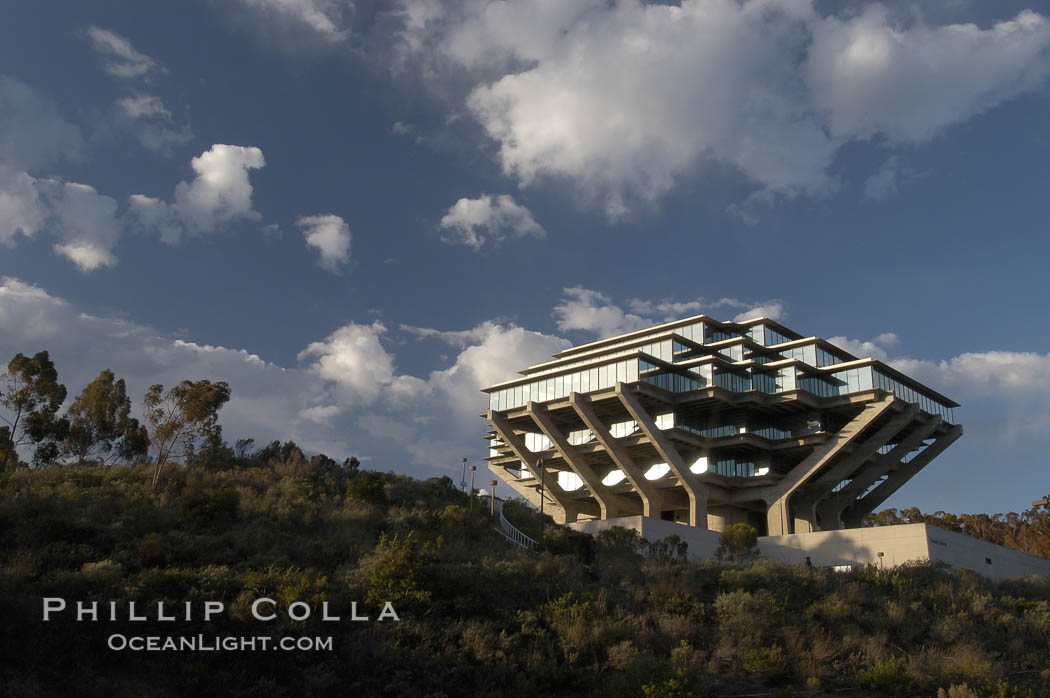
(330,236)
(220,194)
(353,358)
(623,98)
(591,311)
(488,218)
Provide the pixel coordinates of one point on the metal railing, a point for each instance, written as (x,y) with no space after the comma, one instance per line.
(511,532)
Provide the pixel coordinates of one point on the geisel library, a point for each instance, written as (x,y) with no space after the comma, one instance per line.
(710,423)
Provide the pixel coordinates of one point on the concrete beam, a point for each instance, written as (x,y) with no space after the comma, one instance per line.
(854,515)
(694,489)
(610,504)
(653,500)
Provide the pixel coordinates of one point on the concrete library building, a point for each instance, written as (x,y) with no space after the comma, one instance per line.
(690,426)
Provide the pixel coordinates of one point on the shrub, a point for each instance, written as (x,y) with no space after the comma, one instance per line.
(738,543)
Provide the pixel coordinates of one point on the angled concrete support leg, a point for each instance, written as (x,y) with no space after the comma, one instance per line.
(778,496)
(610,504)
(854,515)
(806,502)
(653,500)
(570,508)
(831,508)
(694,489)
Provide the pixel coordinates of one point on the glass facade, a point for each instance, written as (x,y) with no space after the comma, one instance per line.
(733,467)
(679,345)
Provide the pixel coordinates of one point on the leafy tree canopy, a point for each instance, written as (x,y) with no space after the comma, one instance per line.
(32,396)
(183,418)
(101,427)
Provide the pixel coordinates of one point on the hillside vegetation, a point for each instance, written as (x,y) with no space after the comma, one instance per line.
(478,617)
(114,512)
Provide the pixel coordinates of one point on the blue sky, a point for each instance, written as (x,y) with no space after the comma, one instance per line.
(359,213)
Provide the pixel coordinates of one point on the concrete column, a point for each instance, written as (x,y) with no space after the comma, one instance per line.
(610,504)
(570,508)
(653,501)
(694,489)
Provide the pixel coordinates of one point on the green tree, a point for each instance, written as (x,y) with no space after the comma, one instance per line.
(183,419)
(738,543)
(101,427)
(32,396)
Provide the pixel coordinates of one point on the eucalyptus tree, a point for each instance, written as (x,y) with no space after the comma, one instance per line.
(31,397)
(183,418)
(101,427)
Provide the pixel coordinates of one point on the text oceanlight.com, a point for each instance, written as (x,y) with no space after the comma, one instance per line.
(206,643)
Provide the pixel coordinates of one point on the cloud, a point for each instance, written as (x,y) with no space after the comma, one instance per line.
(488,218)
(324,17)
(330,235)
(622,99)
(321,414)
(590,311)
(456,338)
(33,134)
(887,180)
(267,399)
(499,352)
(353,358)
(297,28)
(83,220)
(773,311)
(870,77)
(152,123)
(122,60)
(219,195)
(877,348)
(21,210)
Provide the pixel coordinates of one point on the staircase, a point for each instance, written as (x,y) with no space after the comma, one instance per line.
(512,533)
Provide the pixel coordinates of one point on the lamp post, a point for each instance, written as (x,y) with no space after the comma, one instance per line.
(539,468)
(492,500)
(472,469)
(463,474)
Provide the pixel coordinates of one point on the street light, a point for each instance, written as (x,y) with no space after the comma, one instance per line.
(492,492)
(472,469)
(463,474)
(539,468)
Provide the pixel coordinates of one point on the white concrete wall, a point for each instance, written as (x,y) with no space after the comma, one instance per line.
(854,546)
(964,552)
(702,543)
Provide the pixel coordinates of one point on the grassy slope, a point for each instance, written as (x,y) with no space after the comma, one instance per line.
(479,618)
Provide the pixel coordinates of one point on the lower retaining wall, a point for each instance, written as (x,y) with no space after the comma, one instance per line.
(702,543)
(883,546)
